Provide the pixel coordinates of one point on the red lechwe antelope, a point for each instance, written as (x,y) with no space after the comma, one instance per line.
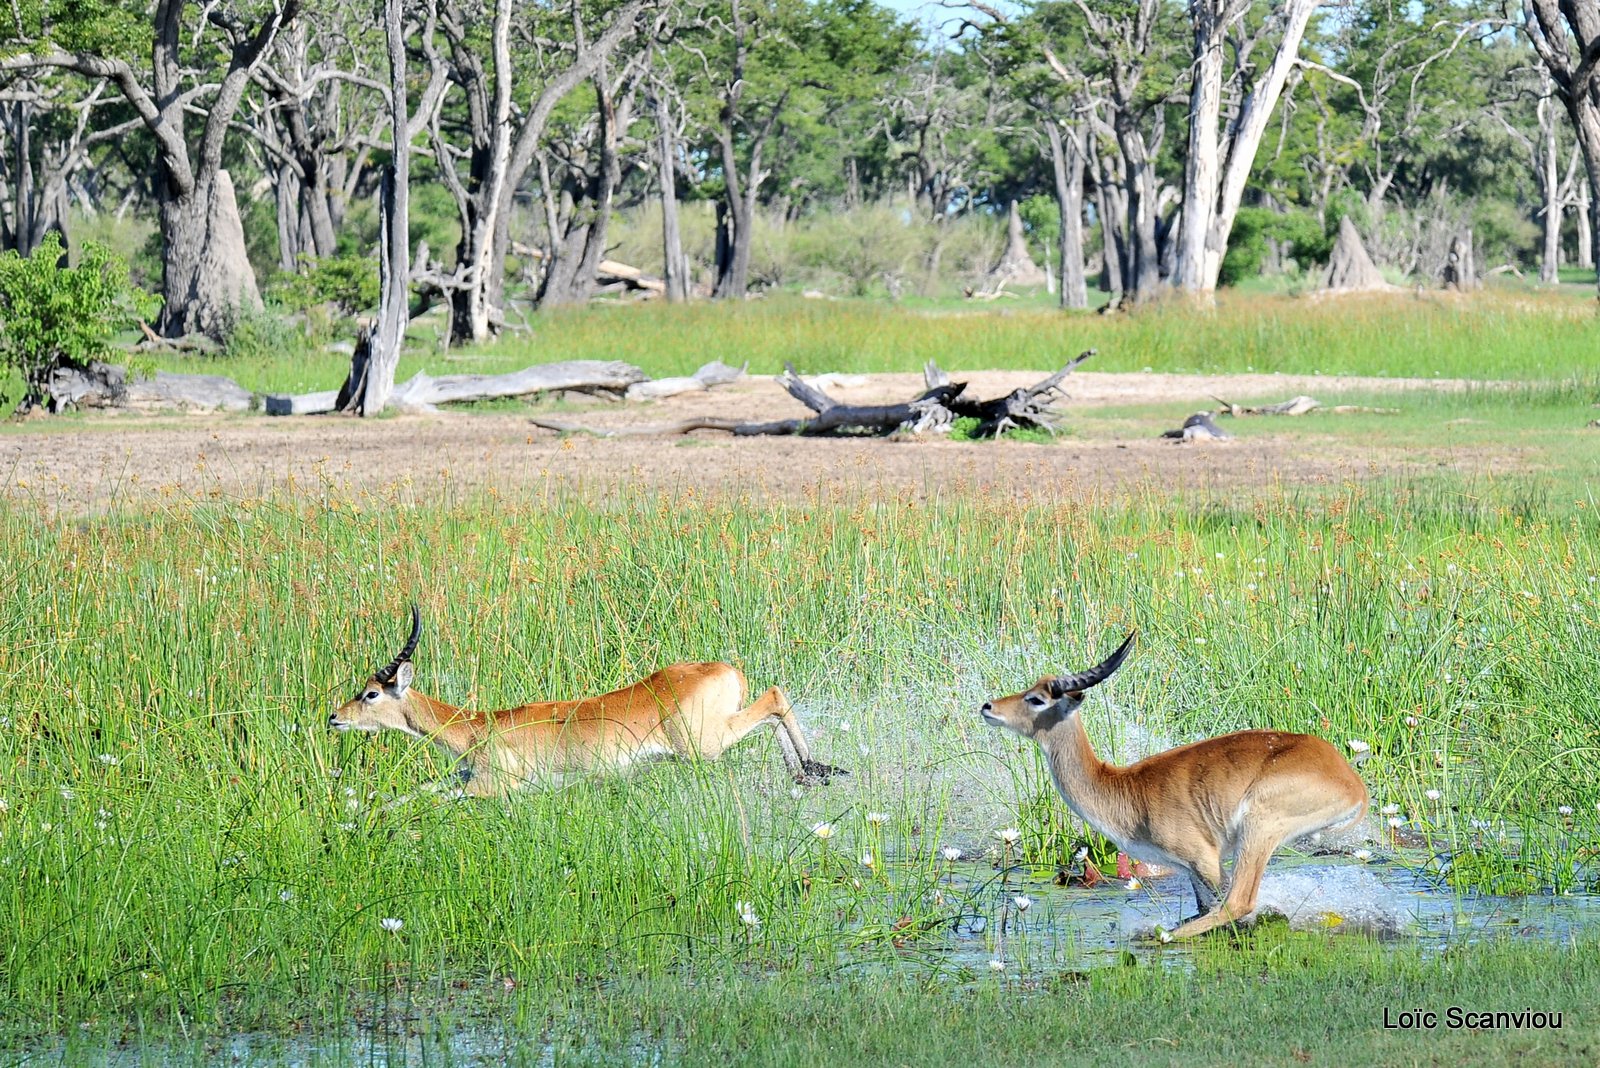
(1241,795)
(685,710)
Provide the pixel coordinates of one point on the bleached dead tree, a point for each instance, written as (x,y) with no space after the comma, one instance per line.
(1566,37)
(1219,159)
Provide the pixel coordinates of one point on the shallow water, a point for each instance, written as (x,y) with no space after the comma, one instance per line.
(1075,927)
(1062,928)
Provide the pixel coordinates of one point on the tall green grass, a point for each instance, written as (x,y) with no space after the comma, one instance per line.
(1492,336)
(183,843)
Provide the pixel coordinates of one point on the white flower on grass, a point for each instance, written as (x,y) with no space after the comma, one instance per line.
(1363,855)
(285,896)
(1396,822)
(1357,745)
(1164,935)
(1411,721)
(391,924)
(1081,855)
(1565,810)
(997,965)
(1022,902)
(844,725)
(823,830)
(1010,836)
(108,760)
(1432,795)
(1481,825)
(747,913)
(868,860)
(877,819)
(1134,884)
(5,806)
(46,827)
(1390,809)
(67,793)
(948,852)
(796,793)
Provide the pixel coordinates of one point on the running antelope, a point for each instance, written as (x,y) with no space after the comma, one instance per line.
(1237,796)
(685,710)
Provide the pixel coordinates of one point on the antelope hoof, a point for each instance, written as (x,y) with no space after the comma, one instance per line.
(816,773)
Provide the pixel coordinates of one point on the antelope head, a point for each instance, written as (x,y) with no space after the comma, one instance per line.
(381,704)
(1052,699)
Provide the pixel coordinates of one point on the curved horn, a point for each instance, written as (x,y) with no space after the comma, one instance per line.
(386,674)
(1094,676)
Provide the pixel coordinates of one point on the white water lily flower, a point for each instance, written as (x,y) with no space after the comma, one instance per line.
(1009,836)
(1432,795)
(1390,809)
(391,924)
(1357,745)
(950,853)
(1396,822)
(747,913)
(1022,902)
(823,830)
(1363,855)
(877,819)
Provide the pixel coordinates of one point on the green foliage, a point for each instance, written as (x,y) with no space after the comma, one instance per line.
(52,314)
(261,335)
(348,282)
(1299,232)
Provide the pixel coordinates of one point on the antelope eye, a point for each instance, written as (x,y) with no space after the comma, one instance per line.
(1035,700)
(370,695)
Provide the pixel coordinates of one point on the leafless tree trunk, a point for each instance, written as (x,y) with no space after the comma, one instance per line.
(1066,156)
(676,265)
(1567,38)
(1216,168)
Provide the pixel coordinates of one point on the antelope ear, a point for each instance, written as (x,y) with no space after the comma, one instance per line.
(402,678)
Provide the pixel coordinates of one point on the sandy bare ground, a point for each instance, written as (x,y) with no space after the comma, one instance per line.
(126,460)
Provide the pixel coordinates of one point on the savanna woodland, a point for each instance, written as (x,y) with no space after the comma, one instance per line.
(895,355)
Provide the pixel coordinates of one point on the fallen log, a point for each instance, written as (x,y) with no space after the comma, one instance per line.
(715,373)
(103,385)
(1301,405)
(1025,407)
(936,409)
(683,426)
(423,392)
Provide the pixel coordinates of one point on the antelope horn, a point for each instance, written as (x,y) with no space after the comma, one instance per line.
(386,674)
(1060,687)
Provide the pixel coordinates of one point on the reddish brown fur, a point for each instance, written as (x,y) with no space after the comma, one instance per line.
(1240,795)
(685,710)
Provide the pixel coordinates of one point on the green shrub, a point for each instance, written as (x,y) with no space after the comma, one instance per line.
(348,282)
(52,315)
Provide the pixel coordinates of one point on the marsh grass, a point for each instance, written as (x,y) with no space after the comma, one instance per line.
(183,845)
(1491,337)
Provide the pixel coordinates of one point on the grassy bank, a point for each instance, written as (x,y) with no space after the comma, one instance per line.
(184,845)
(1489,336)
(1268,999)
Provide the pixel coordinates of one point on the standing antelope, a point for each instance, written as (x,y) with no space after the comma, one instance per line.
(685,710)
(1240,795)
